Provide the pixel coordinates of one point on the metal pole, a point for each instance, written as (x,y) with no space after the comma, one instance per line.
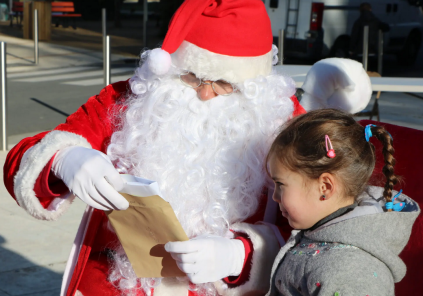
(380,53)
(108,58)
(281,39)
(365,47)
(144,24)
(104,29)
(36,55)
(3,97)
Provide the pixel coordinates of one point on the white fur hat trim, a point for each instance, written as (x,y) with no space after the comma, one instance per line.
(212,66)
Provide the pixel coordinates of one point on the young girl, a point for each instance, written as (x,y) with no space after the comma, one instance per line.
(347,235)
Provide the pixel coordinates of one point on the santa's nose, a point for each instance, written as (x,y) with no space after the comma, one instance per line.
(205,92)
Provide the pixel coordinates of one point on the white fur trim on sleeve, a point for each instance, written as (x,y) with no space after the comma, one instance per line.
(266,247)
(31,167)
(276,231)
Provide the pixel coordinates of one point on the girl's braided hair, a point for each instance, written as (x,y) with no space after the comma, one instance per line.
(301,147)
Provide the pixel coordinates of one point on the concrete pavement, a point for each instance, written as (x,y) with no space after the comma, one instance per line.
(40,96)
(33,253)
(20,56)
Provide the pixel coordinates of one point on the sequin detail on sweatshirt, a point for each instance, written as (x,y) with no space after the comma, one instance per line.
(314,249)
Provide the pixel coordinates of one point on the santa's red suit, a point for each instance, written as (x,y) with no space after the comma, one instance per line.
(206,156)
(35,189)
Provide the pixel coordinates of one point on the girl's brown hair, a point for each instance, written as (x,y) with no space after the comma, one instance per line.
(301,147)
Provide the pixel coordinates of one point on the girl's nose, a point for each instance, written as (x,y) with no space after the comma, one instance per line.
(276,197)
(205,92)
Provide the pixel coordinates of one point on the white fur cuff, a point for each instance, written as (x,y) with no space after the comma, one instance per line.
(266,247)
(32,165)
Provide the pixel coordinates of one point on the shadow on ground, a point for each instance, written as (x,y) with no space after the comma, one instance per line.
(29,279)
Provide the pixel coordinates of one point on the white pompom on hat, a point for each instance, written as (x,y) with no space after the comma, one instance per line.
(159,61)
(337,83)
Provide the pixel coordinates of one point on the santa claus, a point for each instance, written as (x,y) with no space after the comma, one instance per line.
(198,117)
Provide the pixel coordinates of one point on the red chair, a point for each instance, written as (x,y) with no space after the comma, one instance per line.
(408,145)
(16,12)
(63,11)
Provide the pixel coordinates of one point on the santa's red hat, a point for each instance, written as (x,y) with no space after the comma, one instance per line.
(217,39)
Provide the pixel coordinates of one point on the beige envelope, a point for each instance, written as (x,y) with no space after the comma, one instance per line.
(143,230)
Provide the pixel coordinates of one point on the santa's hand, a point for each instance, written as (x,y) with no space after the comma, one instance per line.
(208,258)
(89,174)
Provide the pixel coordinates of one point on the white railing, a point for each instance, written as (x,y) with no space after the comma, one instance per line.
(390,84)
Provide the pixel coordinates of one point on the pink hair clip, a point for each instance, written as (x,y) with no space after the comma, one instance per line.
(331,151)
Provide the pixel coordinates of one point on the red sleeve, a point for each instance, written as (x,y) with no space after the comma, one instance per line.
(13,160)
(234,281)
(48,186)
(298,109)
(91,121)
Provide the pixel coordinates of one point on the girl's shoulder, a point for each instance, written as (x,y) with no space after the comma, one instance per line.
(324,268)
(348,270)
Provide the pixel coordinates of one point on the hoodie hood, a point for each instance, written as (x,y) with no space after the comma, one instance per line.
(370,228)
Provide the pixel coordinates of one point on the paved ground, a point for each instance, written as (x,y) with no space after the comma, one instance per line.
(33,253)
(40,100)
(126,40)
(41,96)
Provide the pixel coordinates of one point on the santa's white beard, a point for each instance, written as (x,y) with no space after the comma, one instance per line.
(207,156)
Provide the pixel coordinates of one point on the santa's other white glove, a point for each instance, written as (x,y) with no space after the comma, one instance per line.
(89,174)
(336,83)
(208,258)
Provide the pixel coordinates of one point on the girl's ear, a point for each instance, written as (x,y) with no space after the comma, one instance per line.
(327,185)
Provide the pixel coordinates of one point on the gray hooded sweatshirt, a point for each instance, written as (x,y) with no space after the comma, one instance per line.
(353,254)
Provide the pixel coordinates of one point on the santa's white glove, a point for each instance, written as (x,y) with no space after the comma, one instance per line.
(336,83)
(208,258)
(89,174)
